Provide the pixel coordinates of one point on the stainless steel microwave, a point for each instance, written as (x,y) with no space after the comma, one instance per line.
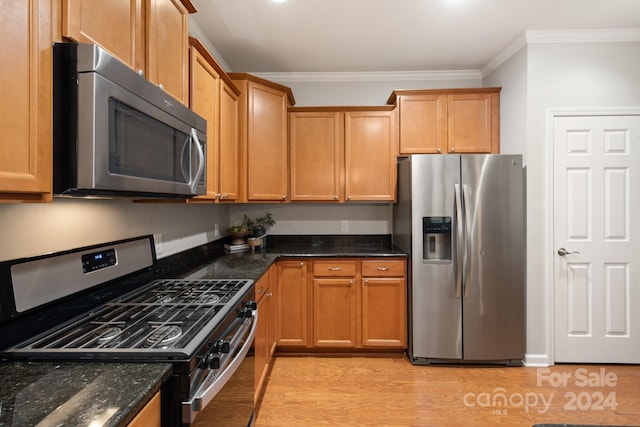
(117,134)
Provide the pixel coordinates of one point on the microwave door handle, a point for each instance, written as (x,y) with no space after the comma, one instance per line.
(194,182)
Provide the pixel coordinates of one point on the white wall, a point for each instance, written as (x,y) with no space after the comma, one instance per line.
(308,218)
(34,229)
(558,75)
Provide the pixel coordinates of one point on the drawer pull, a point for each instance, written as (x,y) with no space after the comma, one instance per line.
(382,268)
(350,282)
(335,268)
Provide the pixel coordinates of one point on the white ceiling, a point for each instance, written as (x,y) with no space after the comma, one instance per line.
(300,36)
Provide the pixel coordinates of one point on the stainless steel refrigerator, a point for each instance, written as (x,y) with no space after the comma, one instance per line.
(461,219)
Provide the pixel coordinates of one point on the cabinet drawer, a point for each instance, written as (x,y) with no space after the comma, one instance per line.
(336,268)
(383,268)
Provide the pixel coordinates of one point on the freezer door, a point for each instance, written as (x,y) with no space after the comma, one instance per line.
(493,301)
(435,310)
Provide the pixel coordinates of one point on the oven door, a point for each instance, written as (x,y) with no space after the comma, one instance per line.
(126,143)
(225,397)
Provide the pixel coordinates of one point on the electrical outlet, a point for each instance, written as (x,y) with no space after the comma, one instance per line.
(345,225)
(157,239)
(216,230)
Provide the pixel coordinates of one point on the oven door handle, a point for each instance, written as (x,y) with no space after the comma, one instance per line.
(191,408)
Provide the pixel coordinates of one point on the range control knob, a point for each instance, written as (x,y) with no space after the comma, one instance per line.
(212,361)
(222,346)
(251,305)
(245,313)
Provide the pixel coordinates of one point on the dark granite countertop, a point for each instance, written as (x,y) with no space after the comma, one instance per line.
(75,394)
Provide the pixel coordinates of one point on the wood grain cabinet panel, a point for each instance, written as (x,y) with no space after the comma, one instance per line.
(448,120)
(264,171)
(343,154)
(117,26)
(293,298)
(26,105)
(214,97)
(168,46)
(384,302)
(149,416)
(315,147)
(335,312)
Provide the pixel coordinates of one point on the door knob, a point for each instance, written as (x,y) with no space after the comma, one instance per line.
(563,252)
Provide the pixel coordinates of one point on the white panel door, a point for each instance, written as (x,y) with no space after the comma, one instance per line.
(596,213)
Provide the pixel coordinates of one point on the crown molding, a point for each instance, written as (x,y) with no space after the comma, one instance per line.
(561,36)
(196,31)
(373,76)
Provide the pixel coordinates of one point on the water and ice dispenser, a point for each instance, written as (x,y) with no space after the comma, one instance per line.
(436,238)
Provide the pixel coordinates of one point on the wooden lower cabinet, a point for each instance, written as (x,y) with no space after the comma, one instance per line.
(384,303)
(292,304)
(354,303)
(149,416)
(262,343)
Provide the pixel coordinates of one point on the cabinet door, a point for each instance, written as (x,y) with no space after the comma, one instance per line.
(204,99)
(114,25)
(314,144)
(149,416)
(473,123)
(384,316)
(334,312)
(26,105)
(423,123)
(370,140)
(229,155)
(167,46)
(261,343)
(267,168)
(292,304)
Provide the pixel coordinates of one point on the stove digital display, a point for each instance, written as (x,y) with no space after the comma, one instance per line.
(98,260)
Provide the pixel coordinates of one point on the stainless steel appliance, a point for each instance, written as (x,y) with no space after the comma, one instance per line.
(461,218)
(97,303)
(117,134)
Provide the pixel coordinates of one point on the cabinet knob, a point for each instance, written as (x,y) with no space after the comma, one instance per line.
(161,86)
(350,282)
(439,150)
(335,197)
(269,294)
(217,195)
(225,195)
(366,282)
(301,264)
(284,197)
(348,197)
(453,149)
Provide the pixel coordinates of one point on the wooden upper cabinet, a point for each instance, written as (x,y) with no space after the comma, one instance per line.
(213,96)
(228,179)
(263,138)
(343,153)
(167,46)
(26,105)
(149,35)
(370,141)
(315,149)
(117,26)
(448,120)
(204,99)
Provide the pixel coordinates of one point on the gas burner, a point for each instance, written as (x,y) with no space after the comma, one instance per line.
(108,334)
(164,335)
(207,299)
(164,299)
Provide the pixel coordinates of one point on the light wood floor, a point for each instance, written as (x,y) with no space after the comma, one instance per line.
(369,391)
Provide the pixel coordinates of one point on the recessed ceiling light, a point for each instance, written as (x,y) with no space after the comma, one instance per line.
(278,1)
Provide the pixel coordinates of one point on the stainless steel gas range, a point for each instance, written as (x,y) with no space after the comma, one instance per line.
(102,303)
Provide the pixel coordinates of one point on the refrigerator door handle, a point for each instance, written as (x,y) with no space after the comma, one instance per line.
(458,221)
(467,246)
